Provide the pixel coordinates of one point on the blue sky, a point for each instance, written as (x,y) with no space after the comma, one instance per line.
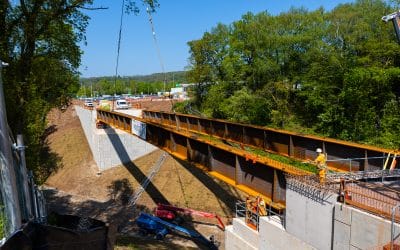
(176,22)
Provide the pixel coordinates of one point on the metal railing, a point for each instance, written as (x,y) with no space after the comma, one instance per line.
(358,175)
(252,216)
(375,198)
(277,216)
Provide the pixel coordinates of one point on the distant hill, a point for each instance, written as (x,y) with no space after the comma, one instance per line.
(176,76)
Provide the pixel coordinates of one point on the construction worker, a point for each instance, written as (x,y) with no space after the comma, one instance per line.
(320,161)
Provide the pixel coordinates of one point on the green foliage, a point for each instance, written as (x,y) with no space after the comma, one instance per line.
(135,85)
(333,73)
(3,223)
(286,160)
(39,40)
(245,107)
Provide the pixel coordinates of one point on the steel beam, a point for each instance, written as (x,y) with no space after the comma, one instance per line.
(282,142)
(231,166)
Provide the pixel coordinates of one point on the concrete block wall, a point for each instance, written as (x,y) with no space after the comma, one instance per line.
(111,147)
(356,229)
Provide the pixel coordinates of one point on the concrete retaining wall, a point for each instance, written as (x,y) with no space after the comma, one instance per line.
(309,216)
(273,236)
(314,220)
(240,236)
(356,229)
(111,147)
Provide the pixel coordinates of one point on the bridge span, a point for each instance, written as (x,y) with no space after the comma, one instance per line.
(253,159)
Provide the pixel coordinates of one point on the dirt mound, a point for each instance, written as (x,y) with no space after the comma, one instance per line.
(154,104)
(79,188)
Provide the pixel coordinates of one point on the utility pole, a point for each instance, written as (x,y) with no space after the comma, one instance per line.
(8,179)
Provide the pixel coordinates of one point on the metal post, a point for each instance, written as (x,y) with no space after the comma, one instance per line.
(28,212)
(32,189)
(350,165)
(8,180)
(392,227)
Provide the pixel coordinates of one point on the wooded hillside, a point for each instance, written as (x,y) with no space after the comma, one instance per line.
(335,73)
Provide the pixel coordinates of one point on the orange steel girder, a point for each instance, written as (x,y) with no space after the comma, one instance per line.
(261,176)
(190,138)
(282,142)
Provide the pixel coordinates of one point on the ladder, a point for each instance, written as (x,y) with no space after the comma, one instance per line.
(153,171)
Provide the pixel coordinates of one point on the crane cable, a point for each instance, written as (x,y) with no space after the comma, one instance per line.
(156,44)
(118,49)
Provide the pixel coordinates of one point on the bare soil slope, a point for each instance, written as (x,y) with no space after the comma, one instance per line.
(79,188)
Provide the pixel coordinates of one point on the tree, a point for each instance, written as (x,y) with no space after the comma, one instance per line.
(333,73)
(39,39)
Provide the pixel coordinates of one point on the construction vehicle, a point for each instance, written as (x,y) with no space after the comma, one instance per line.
(169,212)
(152,224)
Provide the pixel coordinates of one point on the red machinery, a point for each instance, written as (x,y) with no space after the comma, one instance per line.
(169,212)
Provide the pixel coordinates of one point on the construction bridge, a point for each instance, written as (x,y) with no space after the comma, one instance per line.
(253,159)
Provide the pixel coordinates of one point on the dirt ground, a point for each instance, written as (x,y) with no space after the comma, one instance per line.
(79,188)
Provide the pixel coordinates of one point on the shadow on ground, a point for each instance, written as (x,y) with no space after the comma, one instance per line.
(136,172)
(227,196)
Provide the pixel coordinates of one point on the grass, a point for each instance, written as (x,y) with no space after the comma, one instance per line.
(146,242)
(260,152)
(2,222)
(283,159)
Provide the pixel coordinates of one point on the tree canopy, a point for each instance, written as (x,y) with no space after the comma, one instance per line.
(335,73)
(39,40)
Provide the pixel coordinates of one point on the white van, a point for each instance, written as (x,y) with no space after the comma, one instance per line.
(122,104)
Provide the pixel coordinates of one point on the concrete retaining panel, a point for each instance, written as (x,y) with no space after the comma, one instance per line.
(296,214)
(275,237)
(356,229)
(343,213)
(341,236)
(111,147)
(248,234)
(309,216)
(235,242)
(368,231)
